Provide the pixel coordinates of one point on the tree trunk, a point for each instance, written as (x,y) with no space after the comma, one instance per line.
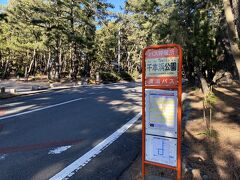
(32,63)
(74,61)
(59,58)
(204,85)
(236,12)
(119,50)
(5,69)
(1,58)
(128,61)
(59,63)
(49,65)
(26,71)
(233,35)
(206,91)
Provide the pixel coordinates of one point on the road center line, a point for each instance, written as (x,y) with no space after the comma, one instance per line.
(39,109)
(83,160)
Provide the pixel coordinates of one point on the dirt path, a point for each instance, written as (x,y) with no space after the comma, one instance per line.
(206,157)
(217,157)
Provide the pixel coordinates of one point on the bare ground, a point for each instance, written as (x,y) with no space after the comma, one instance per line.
(205,157)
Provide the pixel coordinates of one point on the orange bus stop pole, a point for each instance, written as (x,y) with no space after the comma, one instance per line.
(179,88)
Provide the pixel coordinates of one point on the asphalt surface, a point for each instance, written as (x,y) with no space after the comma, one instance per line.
(79,118)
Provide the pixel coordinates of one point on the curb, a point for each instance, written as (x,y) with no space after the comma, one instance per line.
(29,93)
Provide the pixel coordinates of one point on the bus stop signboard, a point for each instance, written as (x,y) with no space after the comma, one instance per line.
(162,89)
(161,67)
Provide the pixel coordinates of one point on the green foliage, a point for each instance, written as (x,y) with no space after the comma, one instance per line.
(135,74)
(126,76)
(20,73)
(107,77)
(55,36)
(210,133)
(106,44)
(193,24)
(211,99)
(48,36)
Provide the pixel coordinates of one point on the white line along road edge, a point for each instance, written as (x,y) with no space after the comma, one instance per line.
(39,109)
(83,160)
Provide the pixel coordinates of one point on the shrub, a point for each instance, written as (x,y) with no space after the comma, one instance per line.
(125,76)
(109,77)
(20,73)
(136,74)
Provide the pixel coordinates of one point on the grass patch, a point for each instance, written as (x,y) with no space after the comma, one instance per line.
(209,133)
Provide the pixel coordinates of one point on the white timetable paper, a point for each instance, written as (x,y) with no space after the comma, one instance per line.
(161,150)
(161,112)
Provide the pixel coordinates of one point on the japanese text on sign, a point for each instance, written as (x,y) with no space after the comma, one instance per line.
(158,53)
(161,112)
(161,67)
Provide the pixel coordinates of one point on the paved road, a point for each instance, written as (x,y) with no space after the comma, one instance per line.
(33,128)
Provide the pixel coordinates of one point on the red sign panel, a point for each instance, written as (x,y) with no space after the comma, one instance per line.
(161,81)
(156,53)
(161,67)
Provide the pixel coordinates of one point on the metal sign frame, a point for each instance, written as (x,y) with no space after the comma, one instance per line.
(178,88)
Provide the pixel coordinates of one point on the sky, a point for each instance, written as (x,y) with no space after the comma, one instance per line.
(3,1)
(116,3)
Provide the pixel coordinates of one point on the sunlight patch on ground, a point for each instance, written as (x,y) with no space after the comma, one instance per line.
(49,169)
(136,128)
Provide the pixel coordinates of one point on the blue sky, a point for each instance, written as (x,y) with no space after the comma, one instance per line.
(3,1)
(116,3)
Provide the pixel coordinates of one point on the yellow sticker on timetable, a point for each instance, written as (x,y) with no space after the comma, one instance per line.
(161,110)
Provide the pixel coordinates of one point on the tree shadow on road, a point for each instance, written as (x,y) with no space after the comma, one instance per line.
(102,110)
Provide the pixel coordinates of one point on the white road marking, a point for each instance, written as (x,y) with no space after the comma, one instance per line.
(83,160)
(59,150)
(18,109)
(3,156)
(40,109)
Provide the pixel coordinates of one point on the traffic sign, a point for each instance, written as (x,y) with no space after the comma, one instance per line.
(161,109)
